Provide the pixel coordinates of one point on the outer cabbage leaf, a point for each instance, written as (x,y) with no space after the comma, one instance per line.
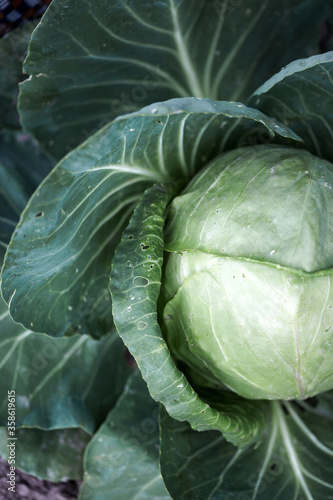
(59,258)
(52,455)
(301,96)
(135,285)
(121,461)
(92,61)
(294,459)
(57,381)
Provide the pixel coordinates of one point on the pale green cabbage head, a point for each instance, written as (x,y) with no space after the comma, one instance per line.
(248,283)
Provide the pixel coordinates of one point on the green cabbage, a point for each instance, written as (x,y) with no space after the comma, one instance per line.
(248,282)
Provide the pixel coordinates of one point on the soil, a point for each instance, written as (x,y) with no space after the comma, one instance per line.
(30,488)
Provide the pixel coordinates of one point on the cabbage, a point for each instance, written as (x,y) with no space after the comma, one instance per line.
(248,286)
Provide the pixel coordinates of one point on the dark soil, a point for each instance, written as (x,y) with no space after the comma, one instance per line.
(30,488)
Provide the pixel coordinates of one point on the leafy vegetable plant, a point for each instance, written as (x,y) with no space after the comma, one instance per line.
(167,312)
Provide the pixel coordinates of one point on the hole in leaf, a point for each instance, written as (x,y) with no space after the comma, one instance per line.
(275,469)
(140,281)
(39,214)
(141,325)
(144,247)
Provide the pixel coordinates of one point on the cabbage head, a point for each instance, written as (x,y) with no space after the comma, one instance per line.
(248,287)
